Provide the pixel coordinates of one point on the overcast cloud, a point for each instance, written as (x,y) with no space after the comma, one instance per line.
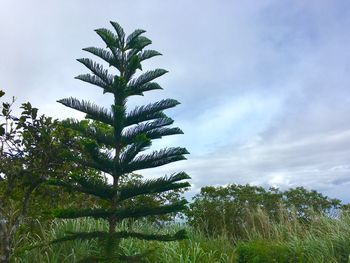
(264,84)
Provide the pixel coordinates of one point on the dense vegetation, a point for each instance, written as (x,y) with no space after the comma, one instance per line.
(227,210)
(54,187)
(322,239)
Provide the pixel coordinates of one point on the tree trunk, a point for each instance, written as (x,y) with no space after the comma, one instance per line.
(4,242)
(112,225)
(8,231)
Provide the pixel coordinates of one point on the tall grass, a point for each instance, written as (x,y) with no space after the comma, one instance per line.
(197,248)
(320,239)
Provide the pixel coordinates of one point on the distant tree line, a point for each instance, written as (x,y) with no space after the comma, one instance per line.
(228,209)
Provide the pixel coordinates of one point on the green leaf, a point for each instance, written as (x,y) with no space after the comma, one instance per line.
(154,186)
(147,54)
(147,77)
(120,33)
(92,110)
(101,53)
(140,143)
(155,159)
(131,67)
(132,37)
(108,37)
(140,43)
(34,113)
(118,59)
(131,91)
(5,108)
(149,112)
(129,134)
(22,119)
(2,130)
(94,80)
(98,70)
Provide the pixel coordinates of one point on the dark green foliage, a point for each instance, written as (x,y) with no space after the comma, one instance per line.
(97,187)
(113,142)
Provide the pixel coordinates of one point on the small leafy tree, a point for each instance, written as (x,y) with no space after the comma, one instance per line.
(29,154)
(116,144)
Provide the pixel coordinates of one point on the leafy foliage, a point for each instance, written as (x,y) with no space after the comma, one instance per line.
(306,202)
(28,155)
(34,150)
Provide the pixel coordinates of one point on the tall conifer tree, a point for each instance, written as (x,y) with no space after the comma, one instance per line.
(115,146)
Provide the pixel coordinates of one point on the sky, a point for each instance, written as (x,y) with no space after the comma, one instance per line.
(264,85)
